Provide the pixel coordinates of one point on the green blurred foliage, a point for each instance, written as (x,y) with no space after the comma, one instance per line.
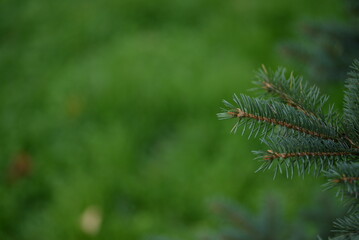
(110,105)
(325,49)
(237,223)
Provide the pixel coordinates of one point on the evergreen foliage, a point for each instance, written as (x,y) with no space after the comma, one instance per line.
(270,223)
(241,224)
(329,47)
(304,134)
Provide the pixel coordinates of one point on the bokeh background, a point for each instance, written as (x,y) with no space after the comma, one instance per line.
(107,114)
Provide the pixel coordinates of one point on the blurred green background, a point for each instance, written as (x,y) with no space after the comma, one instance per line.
(108,126)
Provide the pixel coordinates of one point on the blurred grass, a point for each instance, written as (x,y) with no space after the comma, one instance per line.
(112,104)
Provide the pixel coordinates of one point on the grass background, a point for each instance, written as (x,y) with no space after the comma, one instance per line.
(112,104)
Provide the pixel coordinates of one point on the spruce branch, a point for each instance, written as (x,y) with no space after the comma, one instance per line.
(345,177)
(300,135)
(293,91)
(348,226)
(274,155)
(276,114)
(351,105)
(307,154)
(304,146)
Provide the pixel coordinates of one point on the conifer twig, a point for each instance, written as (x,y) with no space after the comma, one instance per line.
(275,155)
(293,92)
(242,114)
(308,139)
(346,179)
(270,87)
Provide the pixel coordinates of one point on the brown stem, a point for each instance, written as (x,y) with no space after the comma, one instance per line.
(346,179)
(274,155)
(351,142)
(242,114)
(270,87)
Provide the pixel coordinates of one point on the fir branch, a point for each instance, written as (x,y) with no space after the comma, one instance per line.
(307,139)
(241,114)
(348,225)
(345,177)
(351,105)
(293,91)
(307,154)
(279,114)
(275,155)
